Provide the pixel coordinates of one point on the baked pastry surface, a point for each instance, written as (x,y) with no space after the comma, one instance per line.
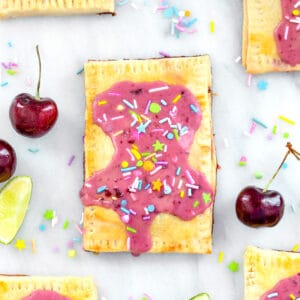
(260,54)
(75,288)
(103,229)
(263,269)
(17,8)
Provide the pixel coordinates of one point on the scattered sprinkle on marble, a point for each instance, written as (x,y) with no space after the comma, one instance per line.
(260,123)
(233,266)
(287,120)
(33,246)
(42,227)
(20,245)
(164,54)
(48,214)
(212,26)
(238,59)
(71,159)
(33,150)
(221,257)
(243,161)
(286,135)
(262,85)
(249,80)
(295,248)
(80,71)
(72,253)
(258,175)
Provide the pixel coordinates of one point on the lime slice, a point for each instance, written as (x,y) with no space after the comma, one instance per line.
(202,296)
(14,200)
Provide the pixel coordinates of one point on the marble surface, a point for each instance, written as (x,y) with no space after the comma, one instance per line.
(66,43)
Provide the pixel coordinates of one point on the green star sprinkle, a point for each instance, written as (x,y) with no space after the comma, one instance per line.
(206,198)
(233,266)
(49,214)
(158,146)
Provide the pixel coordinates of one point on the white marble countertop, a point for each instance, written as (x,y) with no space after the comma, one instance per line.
(65,44)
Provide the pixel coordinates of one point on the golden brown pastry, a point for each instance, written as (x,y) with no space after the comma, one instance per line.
(270,274)
(271,36)
(17,8)
(150,165)
(46,288)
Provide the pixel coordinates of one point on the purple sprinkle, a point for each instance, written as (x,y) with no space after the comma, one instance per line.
(145,218)
(164,54)
(71,160)
(132,212)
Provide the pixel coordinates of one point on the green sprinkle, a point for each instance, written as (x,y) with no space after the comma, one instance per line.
(206,197)
(33,150)
(242,163)
(145,153)
(66,224)
(196,204)
(175,131)
(49,214)
(130,229)
(155,108)
(154,159)
(139,163)
(258,175)
(11,72)
(233,266)
(274,130)
(286,135)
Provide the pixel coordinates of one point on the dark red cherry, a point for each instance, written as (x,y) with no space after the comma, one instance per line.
(256,207)
(32,117)
(8,161)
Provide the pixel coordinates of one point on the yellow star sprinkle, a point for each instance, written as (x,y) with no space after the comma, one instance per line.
(20,245)
(156,185)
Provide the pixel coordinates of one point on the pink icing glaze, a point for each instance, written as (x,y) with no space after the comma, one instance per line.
(287,33)
(45,295)
(283,289)
(141,137)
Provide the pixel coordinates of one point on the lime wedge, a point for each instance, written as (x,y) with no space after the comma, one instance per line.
(14,200)
(202,296)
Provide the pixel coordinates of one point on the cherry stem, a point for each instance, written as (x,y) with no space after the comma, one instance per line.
(37,95)
(290,150)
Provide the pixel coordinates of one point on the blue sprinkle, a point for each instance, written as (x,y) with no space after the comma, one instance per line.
(33,150)
(175,11)
(194,108)
(125,210)
(167,190)
(191,22)
(163,102)
(77,239)
(9,44)
(42,227)
(147,186)
(123,202)
(140,185)
(262,85)
(189,192)
(128,169)
(122,2)
(169,13)
(259,123)
(80,71)
(151,208)
(101,189)
(178,171)
(3,84)
(285,165)
(170,136)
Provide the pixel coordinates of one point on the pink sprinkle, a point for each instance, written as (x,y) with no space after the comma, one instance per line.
(71,160)
(114,94)
(192,30)
(286,32)
(164,54)
(125,218)
(131,155)
(155,170)
(297,4)
(162,7)
(78,228)
(189,177)
(243,159)
(70,244)
(148,296)
(180,28)
(147,107)
(249,80)
(252,128)
(298,27)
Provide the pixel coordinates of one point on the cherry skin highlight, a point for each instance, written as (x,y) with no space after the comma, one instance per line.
(32,117)
(256,207)
(8,161)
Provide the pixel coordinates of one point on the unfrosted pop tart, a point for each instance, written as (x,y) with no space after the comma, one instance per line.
(47,288)
(17,8)
(271,274)
(271,35)
(150,166)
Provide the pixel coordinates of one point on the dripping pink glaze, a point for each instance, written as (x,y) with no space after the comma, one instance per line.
(45,295)
(176,155)
(288,45)
(284,288)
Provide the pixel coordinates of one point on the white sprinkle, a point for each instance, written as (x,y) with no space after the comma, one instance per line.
(249,81)
(117,118)
(105,117)
(297,4)
(226,143)
(131,155)
(155,170)
(297,21)
(118,133)
(126,174)
(99,120)
(165,133)
(173,181)
(286,32)
(238,59)
(158,89)
(273,295)
(135,103)
(146,211)
(192,186)
(164,120)
(133,123)
(180,184)
(128,243)
(128,103)
(166,148)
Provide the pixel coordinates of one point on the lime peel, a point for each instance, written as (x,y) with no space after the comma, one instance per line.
(14,199)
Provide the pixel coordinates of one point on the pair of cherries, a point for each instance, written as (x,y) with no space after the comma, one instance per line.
(30,116)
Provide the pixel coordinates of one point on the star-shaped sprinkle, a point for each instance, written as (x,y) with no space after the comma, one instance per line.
(206,197)
(141,128)
(158,146)
(156,185)
(262,85)
(233,266)
(49,214)
(20,245)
